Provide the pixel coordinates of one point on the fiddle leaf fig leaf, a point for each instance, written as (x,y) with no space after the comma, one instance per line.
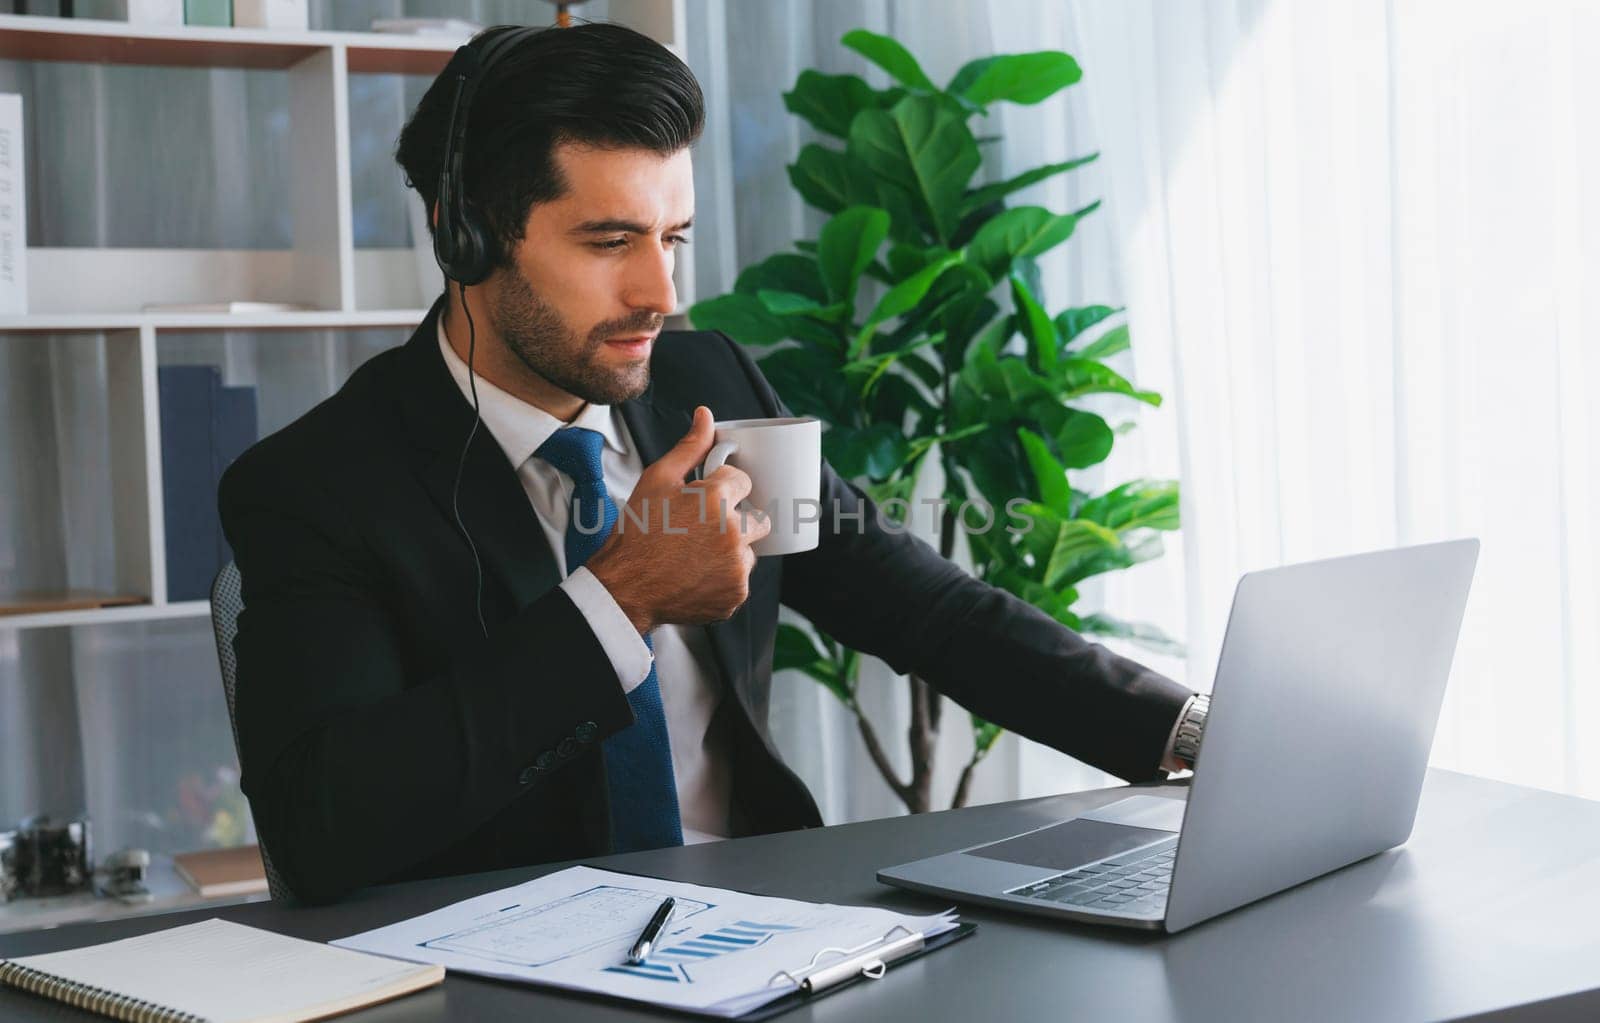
(786,271)
(891,56)
(1140,504)
(1049,474)
(1083,549)
(1072,322)
(1036,327)
(981,197)
(829,102)
(1017,77)
(831,180)
(742,317)
(1015,233)
(1082,438)
(922,147)
(1106,345)
(847,246)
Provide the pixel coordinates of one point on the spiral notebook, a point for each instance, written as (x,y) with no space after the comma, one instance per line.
(216,972)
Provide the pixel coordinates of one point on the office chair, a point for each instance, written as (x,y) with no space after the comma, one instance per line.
(227,600)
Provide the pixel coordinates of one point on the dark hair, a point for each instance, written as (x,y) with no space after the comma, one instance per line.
(595,83)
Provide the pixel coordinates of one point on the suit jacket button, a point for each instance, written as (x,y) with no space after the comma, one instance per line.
(587,730)
(526,777)
(545,761)
(567,747)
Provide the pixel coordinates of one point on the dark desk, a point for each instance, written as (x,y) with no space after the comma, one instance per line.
(1492,905)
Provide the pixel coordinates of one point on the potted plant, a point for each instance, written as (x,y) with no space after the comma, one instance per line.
(915,327)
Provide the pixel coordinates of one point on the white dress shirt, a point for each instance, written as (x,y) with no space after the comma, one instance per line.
(691,687)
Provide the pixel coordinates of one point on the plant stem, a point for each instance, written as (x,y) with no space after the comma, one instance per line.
(920,736)
(880,758)
(964,785)
(947,546)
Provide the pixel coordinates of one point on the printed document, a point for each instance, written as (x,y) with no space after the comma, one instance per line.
(721,953)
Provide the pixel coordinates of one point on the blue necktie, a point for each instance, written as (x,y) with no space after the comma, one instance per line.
(643,789)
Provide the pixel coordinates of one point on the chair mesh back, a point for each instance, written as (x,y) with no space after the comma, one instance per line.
(227,600)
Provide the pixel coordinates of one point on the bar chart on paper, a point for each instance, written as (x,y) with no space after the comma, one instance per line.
(676,962)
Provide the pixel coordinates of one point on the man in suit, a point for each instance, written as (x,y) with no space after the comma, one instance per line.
(450,661)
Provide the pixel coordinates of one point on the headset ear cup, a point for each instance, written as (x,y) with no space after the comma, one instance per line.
(461,245)
(473,253)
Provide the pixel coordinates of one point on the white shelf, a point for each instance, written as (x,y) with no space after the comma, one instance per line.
(169,893)
(72,323)
(108,615)
(84,40)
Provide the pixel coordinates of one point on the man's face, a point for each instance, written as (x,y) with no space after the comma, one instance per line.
(591,281)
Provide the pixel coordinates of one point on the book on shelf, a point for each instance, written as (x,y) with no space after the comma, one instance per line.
(217,971)
(155,12)
(233,429)
(215,872)
(279,14)
(216,13)
(454,28)
(204,427)
(13,210)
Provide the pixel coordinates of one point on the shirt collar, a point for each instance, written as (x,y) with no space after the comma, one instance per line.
(518,427)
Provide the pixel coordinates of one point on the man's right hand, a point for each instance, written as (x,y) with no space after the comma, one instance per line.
(690,564)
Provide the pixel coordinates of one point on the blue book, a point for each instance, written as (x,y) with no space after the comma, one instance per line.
(188,492)
(233,430)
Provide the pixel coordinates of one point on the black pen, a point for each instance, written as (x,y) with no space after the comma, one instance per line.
(652,931)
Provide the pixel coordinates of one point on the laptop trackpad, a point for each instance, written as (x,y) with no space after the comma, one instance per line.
(1070,844)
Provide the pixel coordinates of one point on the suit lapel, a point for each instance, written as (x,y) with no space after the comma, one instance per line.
(656,423)
(494,508)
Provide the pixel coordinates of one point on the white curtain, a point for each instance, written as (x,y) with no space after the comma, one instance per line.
(1356,242)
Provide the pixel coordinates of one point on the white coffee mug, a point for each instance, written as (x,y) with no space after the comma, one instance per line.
(783,458)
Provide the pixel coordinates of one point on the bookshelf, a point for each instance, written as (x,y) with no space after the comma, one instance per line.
(339,287)
(118,704)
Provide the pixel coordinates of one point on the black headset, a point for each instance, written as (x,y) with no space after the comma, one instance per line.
(461,242)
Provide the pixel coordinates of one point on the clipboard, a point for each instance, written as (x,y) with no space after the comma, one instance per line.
(862,960)
(828,973)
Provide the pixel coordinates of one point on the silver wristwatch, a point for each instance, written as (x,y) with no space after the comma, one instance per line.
(1187,745)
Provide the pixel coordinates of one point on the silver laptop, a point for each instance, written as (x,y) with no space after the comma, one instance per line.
(1323,711)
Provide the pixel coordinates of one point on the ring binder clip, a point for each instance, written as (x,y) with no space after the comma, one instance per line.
(870,959)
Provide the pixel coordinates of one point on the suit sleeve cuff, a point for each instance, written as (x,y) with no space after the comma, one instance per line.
(618,638)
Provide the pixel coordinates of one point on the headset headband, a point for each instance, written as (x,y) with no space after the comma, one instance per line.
(460,243)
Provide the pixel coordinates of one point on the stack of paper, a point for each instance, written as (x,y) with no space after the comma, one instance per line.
(722,953)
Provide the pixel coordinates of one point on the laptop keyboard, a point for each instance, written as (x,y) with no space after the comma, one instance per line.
(1133,882)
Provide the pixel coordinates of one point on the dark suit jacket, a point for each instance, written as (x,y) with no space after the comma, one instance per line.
(384,738)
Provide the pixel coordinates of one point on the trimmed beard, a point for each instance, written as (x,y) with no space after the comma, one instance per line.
(539,336)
